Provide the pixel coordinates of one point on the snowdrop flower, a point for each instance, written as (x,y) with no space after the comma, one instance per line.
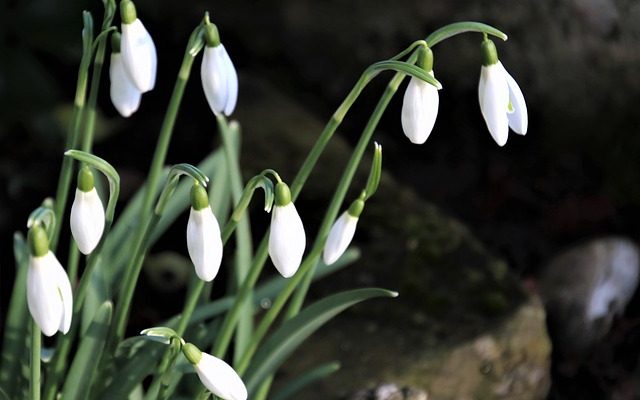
(342,232)
(420,103)
(501,101)
(49,295)
(87,213)
(286,237)
(215,374)
(125,96)
(219,77)
(204,241)
(137,48)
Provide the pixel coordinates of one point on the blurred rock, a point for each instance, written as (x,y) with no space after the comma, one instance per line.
(583,290)
(390,391)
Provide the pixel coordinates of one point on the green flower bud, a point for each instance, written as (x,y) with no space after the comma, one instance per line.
(199,197)
(283,194)
(489,52)
(85,179)
(128,12)
(192,353)
(38,241)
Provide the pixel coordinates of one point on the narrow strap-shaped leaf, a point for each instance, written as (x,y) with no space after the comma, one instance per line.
(127,377)
(405,68)
(79,378)
(305,379)
(16,324)
(293,332)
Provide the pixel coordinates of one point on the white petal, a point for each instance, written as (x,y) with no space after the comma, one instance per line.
(139,55)
(286,239)
(66,295)
(231,78)
(204,243)
(419,110)
(213,73)
(43,297)
(493,93)
(87,220)
(125,96)
(217,376)
(518,119)
(339,238)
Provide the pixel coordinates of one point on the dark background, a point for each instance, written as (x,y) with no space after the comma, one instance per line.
(575,174)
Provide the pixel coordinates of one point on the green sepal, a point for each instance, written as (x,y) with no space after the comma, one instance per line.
(283,194)
(355,209)
(85,179)
(192,353)
(115,42)
(425,58)
(38,241)
(489,53)
(199,197)
(128,12)
(211,35)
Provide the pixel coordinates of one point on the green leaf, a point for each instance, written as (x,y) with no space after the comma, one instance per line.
(305,379)
(128,375)
(79,379)
(283,341)
(457,28)
(16,325)
(96,294)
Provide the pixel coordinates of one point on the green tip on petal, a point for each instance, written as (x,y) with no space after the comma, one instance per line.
(38,241)
(85,179)
(489,52)
(128,12)
(425,58)
(283,194)
(355,209)
(192,353)
(115,42)
(211,35)
(199,197)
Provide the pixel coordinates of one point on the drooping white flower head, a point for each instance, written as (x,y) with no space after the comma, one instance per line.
(125,96)
(49,295)
(219,77)
(204,241)
(215,374)
(87,213)
(420,103)
(287,239)
(342,232)
(137,48)
(501,101)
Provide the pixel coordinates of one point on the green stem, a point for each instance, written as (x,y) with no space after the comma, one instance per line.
(162,147)
(64,180)
(332,212)
(72,262)
(263,389)
(34,382)
(90,122)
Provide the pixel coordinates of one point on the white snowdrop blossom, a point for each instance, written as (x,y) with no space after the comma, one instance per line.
(125,95)
(219,80)
(501,100)
(215,374)
(287,239)
(49,294)
(419,110)
(87,220)
(139,55)
(204,243)
(339,238)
